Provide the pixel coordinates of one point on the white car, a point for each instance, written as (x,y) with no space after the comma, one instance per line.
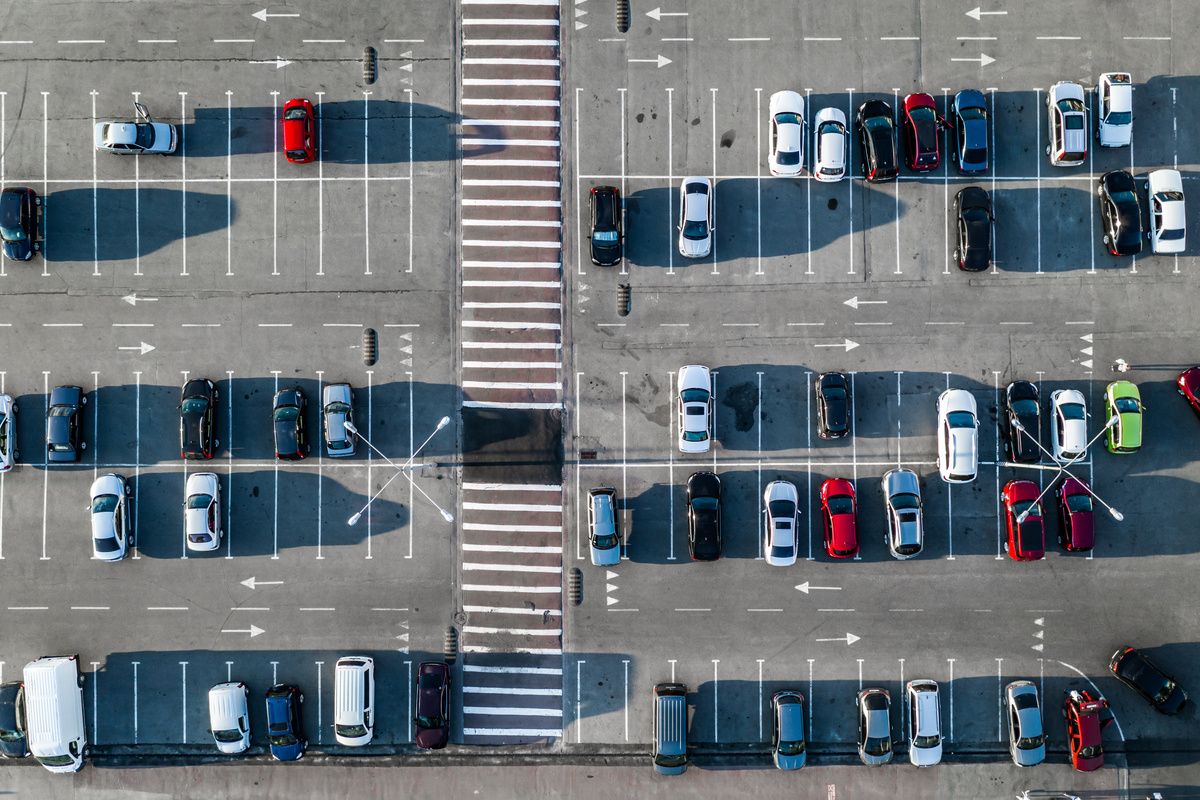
(833,141)
(8,433)
(958,436)
(1068,429)
(228,717)
(786,158)
(111,521)
(1114,109)
(1066,116)
(1168,225)
(924,723)
(695,409)
(783,518)
(135,138)
(695,217)
(202,513)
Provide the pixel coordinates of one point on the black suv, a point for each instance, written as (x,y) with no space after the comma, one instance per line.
(1022,405)
(1159,689)
(291,437)
(608,235)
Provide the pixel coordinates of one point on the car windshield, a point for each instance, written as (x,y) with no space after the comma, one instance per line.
(60,447)
(974,155)
(905,500)
(877,747)
(106,544)
(62,411)
(787,118)
(284,740)
(351,731)
(834,393)
(145,136)
(788,158)
(605,542)
(1127,405)
(877,123)
(12,234)
(1119,118)
(1021,506)
(961,419)
(695,229)
(694,396)
(296,155)
(1091,752)
(286,413)
(1068,104)
(782,508)
(338,444)
(199,501)
(1171,235)
(1166,691)
(663,760)
(604,237)
(295,112)
(841,504)
(926,741)
(199,538)
(705,504)
(1025,407)
(336,408)
(695,436)
(56,761)
(10,736)
(233,735)
(429,722)
(791,748)
(1169,195)
(104,503)
(1030,742)
(974,112)
(194,405)
(1079,502)
(1072,411)
(830,127)
(3,434)
(1124,197)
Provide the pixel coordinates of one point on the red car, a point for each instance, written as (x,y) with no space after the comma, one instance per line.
(1026,540)
(1189,387)
(299,139)
(839,511)
(922,145)
(1083,730)
(1075,516)
(433,705)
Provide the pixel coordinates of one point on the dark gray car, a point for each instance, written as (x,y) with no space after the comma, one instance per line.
(788,746)
(874,726)
(337,408)
(64,434)
(971,132)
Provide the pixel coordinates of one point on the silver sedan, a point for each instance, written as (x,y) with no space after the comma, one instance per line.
(905,536)
(337,408)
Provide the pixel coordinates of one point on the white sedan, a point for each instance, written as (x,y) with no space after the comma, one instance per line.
(134,138)
(695,409)
(832,144)
(1168,225)
(202,514)
(783,518)
(1068,426)
(786,158)
(695,217)
(8,433)
(1114,109)
(958,436)
(111,521)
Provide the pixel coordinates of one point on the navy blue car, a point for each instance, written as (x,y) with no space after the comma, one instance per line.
(971,132)
(284,729)
(19,211)
(12,721)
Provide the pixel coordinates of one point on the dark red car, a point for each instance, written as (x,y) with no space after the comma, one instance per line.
(433,705)
(1076,520)
(1189,387)
(1083,730)
(841,523)
(1027,539)
(922,146)
(299,136)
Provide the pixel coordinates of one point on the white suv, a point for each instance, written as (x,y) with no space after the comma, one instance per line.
(1114,109)
(958,436)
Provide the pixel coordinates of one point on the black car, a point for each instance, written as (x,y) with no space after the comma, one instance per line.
(433,705)
(1121,213)
(291,437)
(12,721)
(833,405)
(970,131)
(196,417)
(63,427)
(1135,671)
(704,516)
(285,730)
(877,131)
(1022,404)
(973,227)
(608,235)
(19,210)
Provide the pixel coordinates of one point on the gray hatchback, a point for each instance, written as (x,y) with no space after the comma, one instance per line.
(788,747)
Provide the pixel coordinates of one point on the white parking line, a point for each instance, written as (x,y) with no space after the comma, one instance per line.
(183,665)
(474,587)
(713,221)
(229,469)
(366,209)
(551,22)
(513,142)
(95,190)
(513,62)
(475,304)
(321,189)
(510,42)
(670,181)
(370,452)
(849,174)
(45,466)
(45,177)
(532,568)
(512,265)
(135,701)
(509,183)
(530,651)
(505,548)
(488,526)
(474,506)
(183,176)
(513,631)
(517,103)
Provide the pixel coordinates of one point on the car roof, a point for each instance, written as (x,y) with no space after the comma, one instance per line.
(791,721)
(902,481)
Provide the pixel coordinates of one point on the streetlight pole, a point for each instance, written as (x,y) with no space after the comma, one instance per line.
(1062,468)
(404,470)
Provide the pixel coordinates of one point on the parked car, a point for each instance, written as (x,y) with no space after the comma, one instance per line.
(1156,687)
(604,533)
(786,157)
(1066,115)
(877,134)
(669,746)
(135,138)
(958,436)
(20,218)
(337,408)
(1084,742)
(971,132)
(1120,212)
(833,405)
(1188,384)
(1068,428)
(12,721)
(1023,422)
(112,522)
(788,746)
(832,144)
(704,516)
(1076,518)
(608,235)
(924,723)
(1114,109)
(1026,537)
(840,512)
(1026,739)
(8,433)
(696,216)
(695,409)
(285,730)
(229,716)
(902,491)
(64,434)
(782,503)
(291,438)
(433,705)
(202,511)
(1168,220)
(922,145)
(973,229)
(1122,400)
(197,419)
(299,131)
(874,726)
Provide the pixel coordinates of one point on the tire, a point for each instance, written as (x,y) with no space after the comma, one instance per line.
(84,400)
(1099,191)
(14,409)
(302,697)
(216,394)
(17,453)
(37,201)
(87,751)
(128,490)
(83,445)
(1106,238)
(1047,149)
(81,680)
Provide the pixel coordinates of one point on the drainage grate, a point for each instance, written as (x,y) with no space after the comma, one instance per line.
(368,62)
(369,347)
(624,290)
(622,15)
(575,586)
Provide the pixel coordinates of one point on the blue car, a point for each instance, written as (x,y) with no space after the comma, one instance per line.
(971,132)
(284,728)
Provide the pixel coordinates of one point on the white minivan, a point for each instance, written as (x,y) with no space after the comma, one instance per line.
(55,728)
(354,700)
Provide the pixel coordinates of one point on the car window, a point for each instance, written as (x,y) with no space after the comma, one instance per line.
(961,419)
(841,504)
(199,501)
(295,112)
(1072,411)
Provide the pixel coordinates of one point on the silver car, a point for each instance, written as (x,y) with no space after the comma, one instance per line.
(1026,739)
(924,723)
(202,511)
(1066,116)
(135,138)
(337,408)
(111,520)
(782,510)
(695,217)
(8,433)
(905,536)
(604,534)
(874,726)
(787,732)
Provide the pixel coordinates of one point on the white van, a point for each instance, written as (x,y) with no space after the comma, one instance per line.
(55,728)
(354,700)
(228,717)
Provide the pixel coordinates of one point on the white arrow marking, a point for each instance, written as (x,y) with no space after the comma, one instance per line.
(251,583)
(609,575)
(849,345)
(1087,351)
(854,302)
(804,587)
(658,14)
(612,600)
(403,637)
(1040,621)
(579,25)
(976,13)
(983,59)
(662,61)
(145,348)
(1040,635)
(279,62)
(849,638)
(262,15)
(610,587)
(133,299)
(1038,647)
(1087,337)
(253,630)
(1087,363)
(579,12)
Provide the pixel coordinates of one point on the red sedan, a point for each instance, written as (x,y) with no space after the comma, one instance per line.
(922,146)
(1075,516)
(299,140)
(1189,387)
(1027,539)
(1083,730)
(841,525)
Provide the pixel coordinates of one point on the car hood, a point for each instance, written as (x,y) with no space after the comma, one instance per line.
(432,738)
(925,756)
(608,557)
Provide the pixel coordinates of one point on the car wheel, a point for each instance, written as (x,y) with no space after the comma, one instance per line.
(1106,238)
(14,408)
(1047,149)
(37,201)
(84,399)
(81,680)
(301,698)
(17,453)
(128,490)
(1100,191)
(87,751)
(37,245)
(216,393)
(83,445)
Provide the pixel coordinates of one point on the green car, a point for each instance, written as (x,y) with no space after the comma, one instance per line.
(1122,399)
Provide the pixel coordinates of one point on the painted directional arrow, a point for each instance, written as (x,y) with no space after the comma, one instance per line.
(976,13)
(662,61)
(849,345)
(849,638)
(658,14)
(145,348)
(280,62)
(133,299)
(854,302)
(262,15)
(804,587)
(251,583)
(253,630)
(983,59)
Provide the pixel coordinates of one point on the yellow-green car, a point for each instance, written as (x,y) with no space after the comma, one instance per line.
(1122,399)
